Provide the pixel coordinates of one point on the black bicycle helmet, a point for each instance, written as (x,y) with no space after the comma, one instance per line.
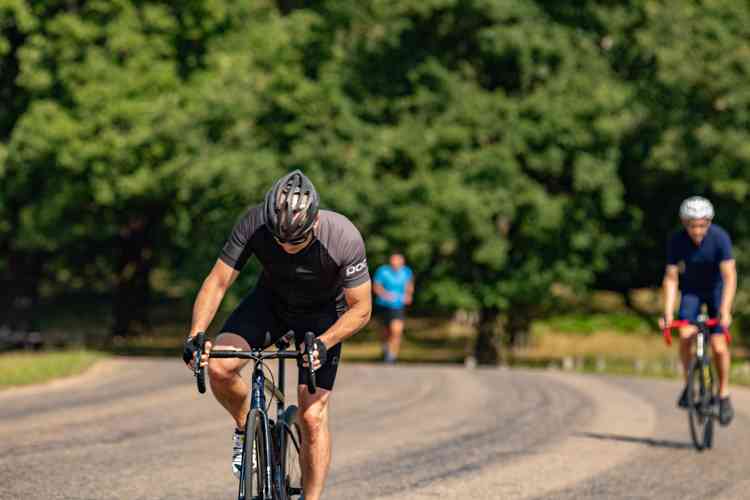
(291,207)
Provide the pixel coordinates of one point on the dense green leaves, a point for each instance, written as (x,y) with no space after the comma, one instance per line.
(510,148)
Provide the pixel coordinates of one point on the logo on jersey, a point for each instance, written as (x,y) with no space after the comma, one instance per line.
(356,268)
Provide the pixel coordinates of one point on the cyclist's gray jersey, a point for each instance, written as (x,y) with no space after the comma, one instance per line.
(311,280)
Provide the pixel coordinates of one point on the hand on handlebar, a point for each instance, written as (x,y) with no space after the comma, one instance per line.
(319,354)
(189,350)
(664,321)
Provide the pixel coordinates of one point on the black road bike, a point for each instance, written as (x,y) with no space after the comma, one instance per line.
(703,389)
(270,460)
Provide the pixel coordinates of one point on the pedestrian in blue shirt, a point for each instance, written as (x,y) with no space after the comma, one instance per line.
(393,285)
(700,262)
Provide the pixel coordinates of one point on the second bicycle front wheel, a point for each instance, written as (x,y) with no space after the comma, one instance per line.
(252,478)
(700,404)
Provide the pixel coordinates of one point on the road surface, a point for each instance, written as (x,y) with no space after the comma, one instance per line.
(137,429)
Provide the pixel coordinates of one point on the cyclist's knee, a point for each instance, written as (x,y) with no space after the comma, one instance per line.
(222,371)
(314,416)
(686,333)
(719,346)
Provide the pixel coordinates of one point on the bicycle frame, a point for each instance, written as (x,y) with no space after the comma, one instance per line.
(258,399)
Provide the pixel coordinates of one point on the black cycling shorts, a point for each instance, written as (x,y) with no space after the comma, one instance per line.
(388,314)
(258,321)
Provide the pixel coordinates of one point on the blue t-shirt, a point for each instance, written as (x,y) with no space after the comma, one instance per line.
(395,282)
(699,264)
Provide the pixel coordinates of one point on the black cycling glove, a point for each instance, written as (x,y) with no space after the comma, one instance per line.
(322,351)
(189,349)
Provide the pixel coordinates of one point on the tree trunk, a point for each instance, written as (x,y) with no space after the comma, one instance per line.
(518,326)
(489,340)
(19,294)
(133,291)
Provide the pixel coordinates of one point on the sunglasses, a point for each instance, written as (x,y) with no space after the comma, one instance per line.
(294,241)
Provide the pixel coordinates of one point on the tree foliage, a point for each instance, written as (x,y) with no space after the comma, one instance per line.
(511,148)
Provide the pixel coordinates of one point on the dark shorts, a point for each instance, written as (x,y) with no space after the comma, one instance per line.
(691,302)
(388,314)
(257,321)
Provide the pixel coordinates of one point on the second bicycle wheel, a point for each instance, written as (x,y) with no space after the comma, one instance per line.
(252,479)
(701,390)
(290,461)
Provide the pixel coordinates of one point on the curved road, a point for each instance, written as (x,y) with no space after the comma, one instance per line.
(137,429)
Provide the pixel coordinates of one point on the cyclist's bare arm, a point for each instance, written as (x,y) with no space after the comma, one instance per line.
(728,270)
(209,297)
(359,299)
(670,285)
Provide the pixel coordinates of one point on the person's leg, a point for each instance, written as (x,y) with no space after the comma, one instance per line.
(686,349)
(723,360)
(252,324)
(227,384)
(722,357)
(397,330)
(689,309)
(385,331)
(315,455)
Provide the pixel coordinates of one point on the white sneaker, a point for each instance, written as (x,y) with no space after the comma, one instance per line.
(238,444)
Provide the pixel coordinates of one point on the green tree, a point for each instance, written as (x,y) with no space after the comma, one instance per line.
(104,163)
(497,131)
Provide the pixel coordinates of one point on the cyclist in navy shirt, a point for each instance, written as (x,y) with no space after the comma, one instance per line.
(700,263)
(393,285)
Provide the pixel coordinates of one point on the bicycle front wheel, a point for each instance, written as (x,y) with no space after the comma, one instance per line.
(254,459)
(290,449)
(701,389)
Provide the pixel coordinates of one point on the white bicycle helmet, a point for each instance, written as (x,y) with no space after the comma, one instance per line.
(696,207)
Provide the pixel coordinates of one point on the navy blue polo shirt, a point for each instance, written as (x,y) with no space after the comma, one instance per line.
(699,264)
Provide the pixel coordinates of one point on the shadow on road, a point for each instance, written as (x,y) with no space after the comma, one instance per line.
(658,443)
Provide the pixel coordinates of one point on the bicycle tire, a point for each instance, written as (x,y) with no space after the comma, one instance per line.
(700,404)
(290,445)
(252,485)
(710,407)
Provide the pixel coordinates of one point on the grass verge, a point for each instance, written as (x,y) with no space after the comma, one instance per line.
(18,369)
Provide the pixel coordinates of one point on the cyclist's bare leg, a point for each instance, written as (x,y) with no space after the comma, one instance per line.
(228,386)
(315,456)
(723,360)
(386,336)
(397,330)
(686,348)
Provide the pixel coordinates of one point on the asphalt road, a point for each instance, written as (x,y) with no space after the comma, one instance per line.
(137,429)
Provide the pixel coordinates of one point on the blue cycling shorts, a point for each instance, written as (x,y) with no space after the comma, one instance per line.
(691,302)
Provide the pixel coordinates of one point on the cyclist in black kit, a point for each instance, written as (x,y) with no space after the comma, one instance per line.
(315,278)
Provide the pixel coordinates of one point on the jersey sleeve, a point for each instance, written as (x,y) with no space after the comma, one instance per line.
(354,270)
(237,249)
(724,248)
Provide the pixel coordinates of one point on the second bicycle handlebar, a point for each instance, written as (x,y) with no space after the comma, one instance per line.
(709,323)
(258,355)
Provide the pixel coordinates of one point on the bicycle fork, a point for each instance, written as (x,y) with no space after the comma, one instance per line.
(704,360)
(259,402)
